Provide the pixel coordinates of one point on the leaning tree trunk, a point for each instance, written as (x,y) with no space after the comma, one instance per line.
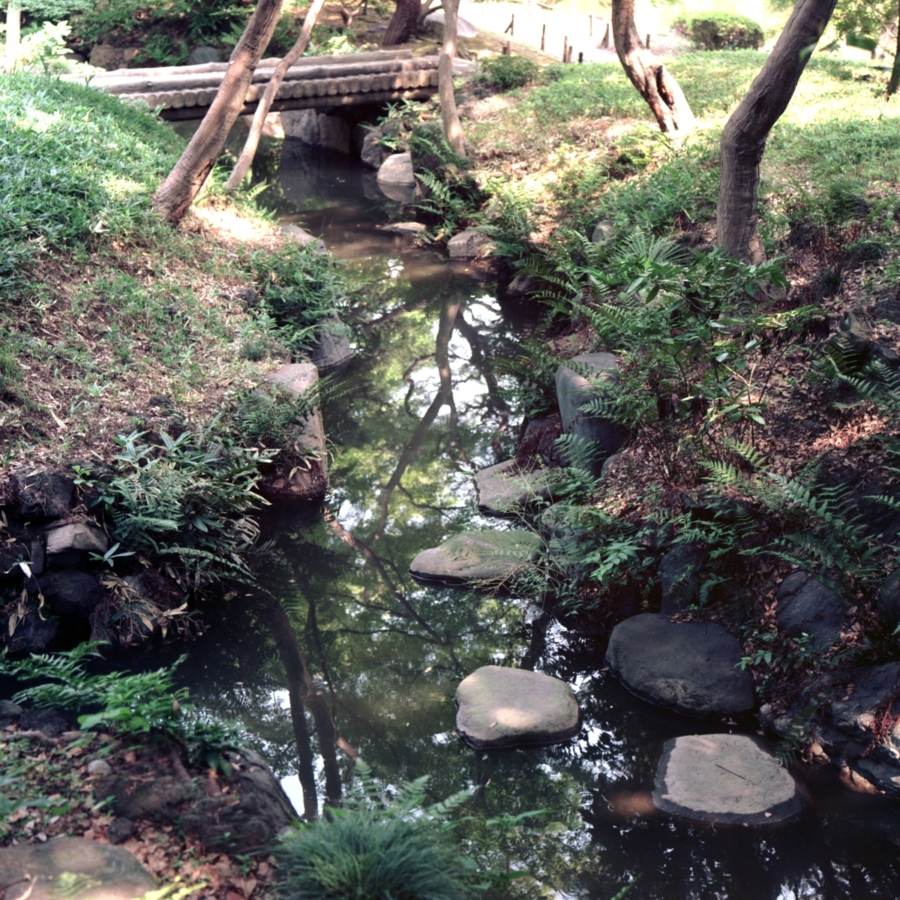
(183,183)
(449,116)
(894,83)
(265,103)
(403,23)
(652,79)
(747,130)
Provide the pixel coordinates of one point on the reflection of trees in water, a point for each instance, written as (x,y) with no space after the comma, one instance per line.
(374,659)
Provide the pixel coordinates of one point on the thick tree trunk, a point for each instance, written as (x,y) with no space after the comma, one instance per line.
(403,23)
(652,79)
(894,83)
(265,104)
(183,183)
(745,135)
(449,116)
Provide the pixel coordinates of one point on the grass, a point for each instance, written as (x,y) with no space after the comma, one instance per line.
(583,145)
(113,322)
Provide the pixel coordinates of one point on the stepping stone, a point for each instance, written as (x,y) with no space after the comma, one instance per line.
(691,667)
(72,868)
(484,560)
(576,386)
(729,779)
(499,707)
(505,490)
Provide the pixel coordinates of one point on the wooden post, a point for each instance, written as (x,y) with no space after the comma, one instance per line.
(605,42)
(648,41)
(543,36)
(591,26)
(565,48)
(580,57)
(571,51)
(507,49)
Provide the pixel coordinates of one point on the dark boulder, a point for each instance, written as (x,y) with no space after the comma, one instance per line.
(691,667)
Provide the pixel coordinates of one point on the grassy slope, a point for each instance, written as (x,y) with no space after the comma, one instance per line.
(576,143)
(111,320)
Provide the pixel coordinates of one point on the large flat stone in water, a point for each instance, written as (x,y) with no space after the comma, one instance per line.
(724,778)
(691,667)
(505,489)
(72,869)
(499,708)
(486,559)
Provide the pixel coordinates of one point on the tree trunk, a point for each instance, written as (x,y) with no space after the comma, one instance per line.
(894,83)
(183,183)
(403,23)
(652,79)
(265,103)
(13,37)
(449,116)
(745,135)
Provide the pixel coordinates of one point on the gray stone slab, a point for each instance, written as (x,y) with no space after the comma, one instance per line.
(397,169)
(505,490)
(500,707)
(485,560)
(691,667)
(67,545)
(467,244)
(724,778)
(72,869)
(577,384)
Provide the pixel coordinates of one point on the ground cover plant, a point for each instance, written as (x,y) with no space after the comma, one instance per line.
(123,324)
(758,397)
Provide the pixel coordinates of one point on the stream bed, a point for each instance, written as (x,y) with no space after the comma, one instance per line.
(407,434)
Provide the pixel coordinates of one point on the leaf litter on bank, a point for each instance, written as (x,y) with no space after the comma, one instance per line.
(51,776)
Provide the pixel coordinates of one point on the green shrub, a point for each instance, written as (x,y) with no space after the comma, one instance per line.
(508,72)
(129,704)
(725,31)
(300,287)
(376,850)
(189,501)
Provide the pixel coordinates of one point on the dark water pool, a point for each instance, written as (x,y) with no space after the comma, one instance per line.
(425,404)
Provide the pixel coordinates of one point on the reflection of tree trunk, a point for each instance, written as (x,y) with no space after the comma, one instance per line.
(354,542)
(482,362)
(302,690)
(444,396)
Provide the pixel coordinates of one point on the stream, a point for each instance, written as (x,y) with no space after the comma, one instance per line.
(423,406)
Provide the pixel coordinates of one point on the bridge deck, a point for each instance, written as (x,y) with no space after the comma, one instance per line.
(185,92)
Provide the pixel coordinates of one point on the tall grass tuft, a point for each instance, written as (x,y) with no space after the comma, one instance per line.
(359,854)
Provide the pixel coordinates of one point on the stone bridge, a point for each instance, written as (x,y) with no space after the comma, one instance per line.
(316,82)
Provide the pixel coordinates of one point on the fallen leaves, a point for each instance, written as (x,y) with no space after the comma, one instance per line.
(54,772)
